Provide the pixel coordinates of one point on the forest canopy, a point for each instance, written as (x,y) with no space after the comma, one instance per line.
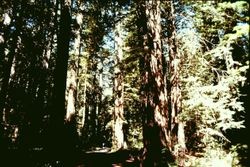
(142,82)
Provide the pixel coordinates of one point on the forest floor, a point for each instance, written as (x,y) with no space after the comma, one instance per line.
(101,158)
(121,158)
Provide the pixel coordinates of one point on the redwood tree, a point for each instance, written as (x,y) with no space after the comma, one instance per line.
(153,88)
(59,138)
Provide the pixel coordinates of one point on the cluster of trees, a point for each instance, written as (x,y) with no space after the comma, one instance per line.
(165,77)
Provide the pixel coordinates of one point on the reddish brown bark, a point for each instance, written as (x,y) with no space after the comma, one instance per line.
(153,89)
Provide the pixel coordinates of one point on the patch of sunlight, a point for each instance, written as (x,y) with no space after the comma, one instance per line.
(221,162)
(108,92)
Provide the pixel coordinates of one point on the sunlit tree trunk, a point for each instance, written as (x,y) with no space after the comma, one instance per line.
(83,104)
(154,96)
(73,72)
(118,117)
(78,53)
(71,93)
(177,126)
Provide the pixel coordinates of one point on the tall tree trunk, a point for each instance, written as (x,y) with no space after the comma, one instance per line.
(83,110)
(78,53)
(58,138)
(73,72)
(118,136)
(9,60)
(84,101)
(93,108)
(177,127)
(153,89)
(9,63)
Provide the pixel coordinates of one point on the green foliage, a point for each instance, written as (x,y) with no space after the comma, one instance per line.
(131,81)
(212,76)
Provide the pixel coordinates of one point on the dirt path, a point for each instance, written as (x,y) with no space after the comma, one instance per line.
(122,158)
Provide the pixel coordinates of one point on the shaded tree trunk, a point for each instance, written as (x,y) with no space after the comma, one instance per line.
(9,61)
(8,65)
(59,138)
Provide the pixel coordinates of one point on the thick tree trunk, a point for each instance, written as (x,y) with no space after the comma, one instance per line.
(58,132)
(154,96)
(71,94)
(78,53)
(118,136)
(72,73)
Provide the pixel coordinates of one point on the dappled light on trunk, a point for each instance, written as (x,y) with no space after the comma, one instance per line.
(119,120)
